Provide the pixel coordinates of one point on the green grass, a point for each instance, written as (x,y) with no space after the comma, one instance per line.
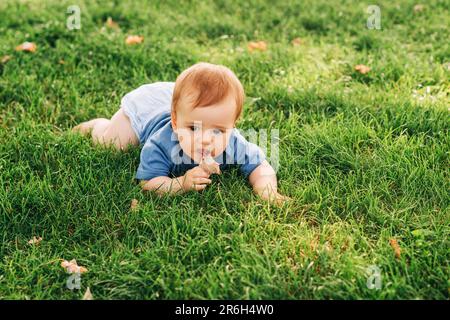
(365,157)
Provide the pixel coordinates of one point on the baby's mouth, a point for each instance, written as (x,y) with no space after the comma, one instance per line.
(204,153)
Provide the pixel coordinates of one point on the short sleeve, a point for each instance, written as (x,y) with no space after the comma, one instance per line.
(248,155)
(157,95)
(154,162)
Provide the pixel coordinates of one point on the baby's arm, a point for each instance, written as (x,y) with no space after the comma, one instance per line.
(195,179)
(264,182)
(162,185)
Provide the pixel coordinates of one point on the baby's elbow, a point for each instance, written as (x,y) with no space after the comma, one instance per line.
(263,170)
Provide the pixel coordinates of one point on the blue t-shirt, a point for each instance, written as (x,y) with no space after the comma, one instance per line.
(148,108)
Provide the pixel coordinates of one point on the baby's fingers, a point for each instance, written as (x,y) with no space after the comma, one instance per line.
(200,172)
(199,187)
(202,180)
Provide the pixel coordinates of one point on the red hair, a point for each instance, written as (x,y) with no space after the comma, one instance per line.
(208,84)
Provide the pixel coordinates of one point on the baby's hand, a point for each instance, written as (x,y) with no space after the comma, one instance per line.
(196,179)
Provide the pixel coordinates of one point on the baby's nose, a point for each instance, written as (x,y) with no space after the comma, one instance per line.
(207,137)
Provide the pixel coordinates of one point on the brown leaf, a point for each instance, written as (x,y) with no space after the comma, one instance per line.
(27,46)
(35,241)
(134,40)
(257,45)
(72,266)
(396,247)
(134,204)
(363,69)
(210,165)
(88,295)
(111,24)
(6,58)
(296,42)
(61,61)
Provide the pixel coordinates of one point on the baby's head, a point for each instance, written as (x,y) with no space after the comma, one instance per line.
(207,101)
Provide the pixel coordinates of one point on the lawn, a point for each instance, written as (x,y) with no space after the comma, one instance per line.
(365,157)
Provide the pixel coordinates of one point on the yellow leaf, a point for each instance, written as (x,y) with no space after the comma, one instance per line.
(88,295)
(257,45)
(72,266)
(419,8)
(134,40)
(362,68)
(296,42)
(396,247)
(27,46)
(35,240)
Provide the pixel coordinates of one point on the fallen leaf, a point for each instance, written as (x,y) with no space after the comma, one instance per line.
(35,240)
(88,295)
(419,8)
(61,61)
(27,46)
(362,68)
(134,204)
(72,266)
(257,45)
(396,247)
(111,24)
(6,58)
(296,42)
(210,165)
(134,40)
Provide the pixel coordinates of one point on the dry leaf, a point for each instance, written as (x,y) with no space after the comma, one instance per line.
(88,295)
(396,247)
(210,165)
(35,240)
(362,68)
(296,42)
(134,40)
(27,46)
(61,61)
(5,59)
(72,266)
(257,45)
(111,24)
(134,204)
(419,7)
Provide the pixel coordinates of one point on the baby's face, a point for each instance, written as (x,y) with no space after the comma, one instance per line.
(205,130)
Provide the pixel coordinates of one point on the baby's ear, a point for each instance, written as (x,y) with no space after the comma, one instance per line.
(173,120)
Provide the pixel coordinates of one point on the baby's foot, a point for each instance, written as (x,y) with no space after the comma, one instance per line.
(85,127)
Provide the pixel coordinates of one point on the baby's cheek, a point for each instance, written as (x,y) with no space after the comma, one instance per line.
(221,144)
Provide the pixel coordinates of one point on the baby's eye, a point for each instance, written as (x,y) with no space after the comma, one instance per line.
(194,128)
(217,131)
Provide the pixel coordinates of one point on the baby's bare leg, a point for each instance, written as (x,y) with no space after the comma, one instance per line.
(117,131)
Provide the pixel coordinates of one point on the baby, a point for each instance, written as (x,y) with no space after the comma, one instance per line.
(188,132)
